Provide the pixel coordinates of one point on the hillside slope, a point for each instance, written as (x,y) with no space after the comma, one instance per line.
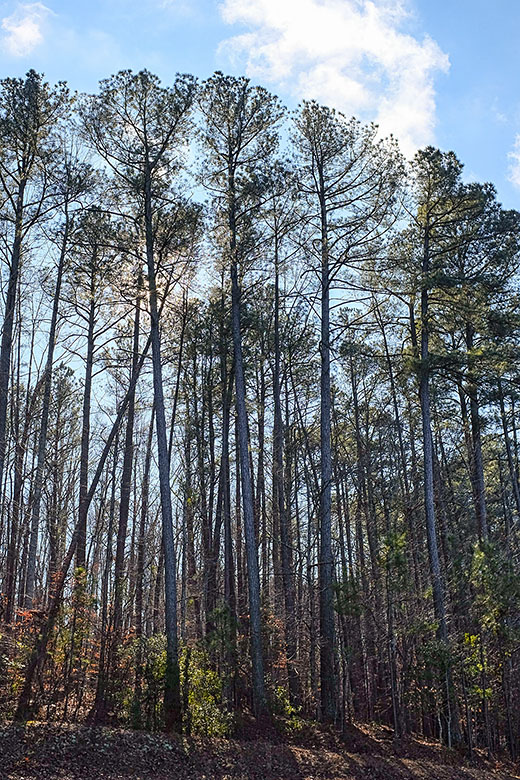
(42,752)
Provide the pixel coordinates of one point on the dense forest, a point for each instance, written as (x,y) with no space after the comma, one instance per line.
(259,447)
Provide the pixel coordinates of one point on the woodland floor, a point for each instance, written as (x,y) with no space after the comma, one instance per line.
(40,751)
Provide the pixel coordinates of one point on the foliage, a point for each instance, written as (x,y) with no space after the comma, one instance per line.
(207,713)
(349,596)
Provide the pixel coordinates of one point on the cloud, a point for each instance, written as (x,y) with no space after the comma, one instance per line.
(498,115)
(23,28)
(179,7)
(514,165)
(350,54)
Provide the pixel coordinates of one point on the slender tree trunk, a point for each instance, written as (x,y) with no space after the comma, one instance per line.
(409,513)
(20,452)
(7,329)
(42,438)
(429,500)
(172,698)
(448,720)
(253,576)
(101,705)
(139,658)
(478,463)
(38,654)
(229,574)
(85,434)
(199,585)
(283,515)
(192,587)
(469,449)
(126,484)
(328,688)
(510,461)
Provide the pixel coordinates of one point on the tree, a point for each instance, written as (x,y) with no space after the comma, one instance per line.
(349,179)
(73,182)
(30,112)
(240,124)
(479,263)
(138,128)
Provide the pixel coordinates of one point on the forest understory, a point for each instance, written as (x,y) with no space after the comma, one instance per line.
(42,751)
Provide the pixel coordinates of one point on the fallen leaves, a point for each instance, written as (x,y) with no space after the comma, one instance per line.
(43,751)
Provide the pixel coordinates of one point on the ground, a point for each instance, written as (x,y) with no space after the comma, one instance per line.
(40,751)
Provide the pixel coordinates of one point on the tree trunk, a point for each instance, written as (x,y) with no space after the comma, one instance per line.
(38,654)
(429,500)
(42,438)
(139,657)
(172,698)
(283,515)
(253,577)
(478,464)
(126,484)
(7,329)
(328,688)
(85,435)
(510,460)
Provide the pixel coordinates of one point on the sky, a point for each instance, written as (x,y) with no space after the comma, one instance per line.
(442,72)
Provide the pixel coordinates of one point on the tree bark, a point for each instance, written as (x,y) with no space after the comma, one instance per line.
(328,690)
(253,576)
(7,328)
(283,515)
(172,698)
(42,438)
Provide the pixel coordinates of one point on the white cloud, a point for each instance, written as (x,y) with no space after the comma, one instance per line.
(180,7)
(350,54)
(514,165)
(498,115)
(23,28)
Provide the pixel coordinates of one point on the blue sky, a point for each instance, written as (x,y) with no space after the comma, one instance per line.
(431,71)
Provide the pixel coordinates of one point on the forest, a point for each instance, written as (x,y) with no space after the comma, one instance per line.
(259,449)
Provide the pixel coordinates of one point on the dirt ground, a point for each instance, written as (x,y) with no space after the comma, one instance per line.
(41,751)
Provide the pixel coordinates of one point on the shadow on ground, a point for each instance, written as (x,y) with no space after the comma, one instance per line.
(40,751)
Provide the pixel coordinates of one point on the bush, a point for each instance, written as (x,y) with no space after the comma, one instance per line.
(206,712)
(282,709)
